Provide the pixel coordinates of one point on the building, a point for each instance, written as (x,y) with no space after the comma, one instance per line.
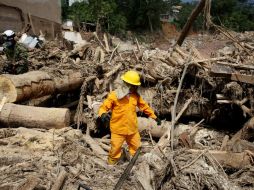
(73,1)
(41,15)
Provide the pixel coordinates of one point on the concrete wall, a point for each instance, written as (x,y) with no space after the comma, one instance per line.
(45,16)
(10,18)
(46,9)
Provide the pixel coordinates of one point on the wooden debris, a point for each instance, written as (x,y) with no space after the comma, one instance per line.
(229,159)
(34,117)
(112,72)
(60,180)
(30,184)
(95,146)
(62,71)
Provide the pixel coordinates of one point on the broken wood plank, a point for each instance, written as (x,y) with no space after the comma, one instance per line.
(31,23)
(144,177)
(30,183)
(96,36)
(171,61)
(112,54)
(224,143)
(137,43)
(218,70)
(228,159)
(106,42)
(237,66)
(60,180)
(185,106)
(113,71)
(224,70)
(242,78)
(94,146)
(76,173)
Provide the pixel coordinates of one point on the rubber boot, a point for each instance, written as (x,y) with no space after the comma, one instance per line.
(112,161)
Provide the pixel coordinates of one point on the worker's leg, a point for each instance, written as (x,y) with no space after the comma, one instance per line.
(133,142)
(115,151)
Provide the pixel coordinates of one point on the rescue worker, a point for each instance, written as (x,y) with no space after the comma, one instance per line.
(16,54)
(123,123)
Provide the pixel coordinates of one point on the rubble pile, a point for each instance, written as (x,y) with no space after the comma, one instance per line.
(215,89)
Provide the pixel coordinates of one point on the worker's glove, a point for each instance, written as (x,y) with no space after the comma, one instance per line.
(158,121)
(105,118)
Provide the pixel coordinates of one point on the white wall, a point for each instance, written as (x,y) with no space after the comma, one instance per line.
(73,1)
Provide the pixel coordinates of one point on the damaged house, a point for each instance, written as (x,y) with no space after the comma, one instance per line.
(30,15)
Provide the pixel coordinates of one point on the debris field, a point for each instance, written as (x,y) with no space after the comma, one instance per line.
(51,136)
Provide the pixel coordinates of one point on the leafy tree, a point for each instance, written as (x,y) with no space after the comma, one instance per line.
(237,15)
(142,14)
(64,6)
(117,16)
(101,12)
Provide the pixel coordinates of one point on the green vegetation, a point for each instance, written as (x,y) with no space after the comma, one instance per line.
(118,16)
(237,15)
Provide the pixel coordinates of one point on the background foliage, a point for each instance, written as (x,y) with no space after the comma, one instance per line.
(118,16)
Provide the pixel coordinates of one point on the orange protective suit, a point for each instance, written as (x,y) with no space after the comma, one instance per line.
(123,123)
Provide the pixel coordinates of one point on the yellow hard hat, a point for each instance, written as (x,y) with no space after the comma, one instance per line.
(131,77)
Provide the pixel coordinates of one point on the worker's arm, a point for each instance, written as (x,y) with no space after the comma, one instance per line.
(144,107)
(107,104)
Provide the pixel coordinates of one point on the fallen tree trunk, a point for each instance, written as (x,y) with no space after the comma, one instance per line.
(34,117)
(68,82)
(23,87)
(36,84)
(189,22)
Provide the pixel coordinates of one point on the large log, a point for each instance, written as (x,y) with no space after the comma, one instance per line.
(23,87)
(36,84)
(34,117)
(68,82)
